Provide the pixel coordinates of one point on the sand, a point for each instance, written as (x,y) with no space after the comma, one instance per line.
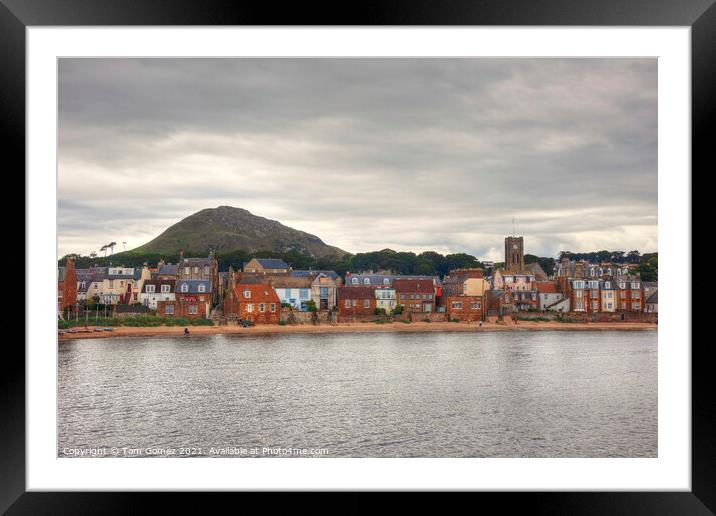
(162,331)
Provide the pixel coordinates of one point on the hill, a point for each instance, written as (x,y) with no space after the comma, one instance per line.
(228,229)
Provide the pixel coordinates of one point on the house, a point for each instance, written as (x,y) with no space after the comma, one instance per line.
(649,288)
(630,297)
(385,298)
(293,291)
(324,290)
(267,266)
(463,294)
(356,301)
(652,303)
(192,300)
(203,269)
(154,290)
(547,295)
(499,302)
(578,295)
(608,292)
(66,287)
(166,271)
(415,295)
(252,300)
(593,299)
(386,280)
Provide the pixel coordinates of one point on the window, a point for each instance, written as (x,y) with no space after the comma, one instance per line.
(622,284)
(354,302)
(193,309)
(169,309)
(354,281)
(607,284)
(475,305)
(288,293)
(386,281)
(595,305)
(323,293)
(622,294)
(185,287)
(634,284)
(366,281)
(150,289)
(187,271)
(348,303)
(366,303)
(457,305)
(273,307)
(636,305)
(430,296)
(206,270)
(202,288)
(402,296)
(196,270)
(165,289)
(412,296)
(250,307)
(247,294)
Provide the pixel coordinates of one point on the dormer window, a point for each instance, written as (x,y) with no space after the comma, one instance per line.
(247,294)
(165,289)
(386,281)
(187,271)
(354,281)
(366,281)
(185,288)
(196,270)
(202,288)
(150,289)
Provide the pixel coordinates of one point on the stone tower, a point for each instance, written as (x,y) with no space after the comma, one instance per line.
(514,254)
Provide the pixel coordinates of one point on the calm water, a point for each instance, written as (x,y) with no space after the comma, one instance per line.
(509,394)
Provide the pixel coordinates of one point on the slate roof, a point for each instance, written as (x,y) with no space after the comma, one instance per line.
(195,261)
(168,269)
(193,286)
(654,298)
(157,284)
(305,273)
(272,263)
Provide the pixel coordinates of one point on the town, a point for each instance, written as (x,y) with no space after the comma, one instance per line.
(270,291)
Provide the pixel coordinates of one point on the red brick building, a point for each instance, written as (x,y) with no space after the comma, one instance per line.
(630,295)
(463,294)
(356,301)
(66,287)
(416,296)
(192,300)
(252,301)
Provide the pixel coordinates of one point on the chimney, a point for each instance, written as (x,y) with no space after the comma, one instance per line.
(181,254)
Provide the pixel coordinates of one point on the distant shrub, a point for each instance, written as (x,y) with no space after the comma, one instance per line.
(379,311)
(398,310)
(202,322)
(176,321)
(282,323)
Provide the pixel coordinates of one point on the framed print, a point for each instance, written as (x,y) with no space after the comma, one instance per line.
(416,253)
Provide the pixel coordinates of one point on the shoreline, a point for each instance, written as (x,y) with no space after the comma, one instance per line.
(178,331)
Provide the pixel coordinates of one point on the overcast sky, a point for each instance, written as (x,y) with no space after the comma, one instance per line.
(410,154)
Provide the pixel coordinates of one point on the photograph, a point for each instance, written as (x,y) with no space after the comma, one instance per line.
(357,257)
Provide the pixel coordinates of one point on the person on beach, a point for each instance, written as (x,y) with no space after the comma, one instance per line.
(186,331)
(480,324)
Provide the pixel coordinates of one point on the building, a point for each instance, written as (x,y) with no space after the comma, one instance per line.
(356,301)
(192,300)
(415,295)
(66,287)
(324,289)
(630,297)
(293,291)
(593,301)
(267,266)
(463,294)
(386,280)
(652,303)
(608,293)
(252,300)
(577,295)
(154,290)
(514,254)
(385,298)
(547,295)
(200,269)
(166,271)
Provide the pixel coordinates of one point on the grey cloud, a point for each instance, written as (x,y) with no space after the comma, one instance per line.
(407,153)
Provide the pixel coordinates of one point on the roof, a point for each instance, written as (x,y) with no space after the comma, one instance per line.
(379,279)
(272,263)
(168,269)
(654,298)
(287,281)
(193,286)
(357,292)
(309,273)
(546,287)
(413,285)
(158,283)
(259,292)
(195,261)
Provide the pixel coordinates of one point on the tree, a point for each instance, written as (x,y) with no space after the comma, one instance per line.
(311,306)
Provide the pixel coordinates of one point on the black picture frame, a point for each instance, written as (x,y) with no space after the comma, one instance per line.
(700,15)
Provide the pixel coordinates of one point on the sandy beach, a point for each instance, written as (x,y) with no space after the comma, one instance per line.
(160,331)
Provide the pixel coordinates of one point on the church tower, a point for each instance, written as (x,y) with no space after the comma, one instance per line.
(514,254)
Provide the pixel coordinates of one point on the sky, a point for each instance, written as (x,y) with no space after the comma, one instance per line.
(408,154)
